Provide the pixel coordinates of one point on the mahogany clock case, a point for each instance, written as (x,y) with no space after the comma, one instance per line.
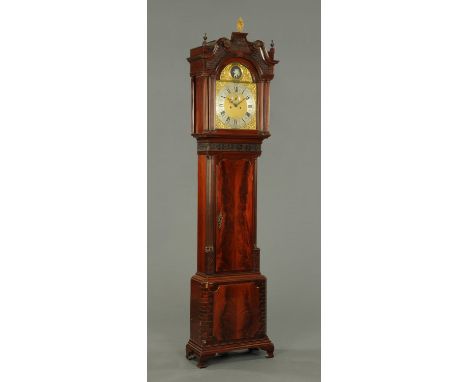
(228,292)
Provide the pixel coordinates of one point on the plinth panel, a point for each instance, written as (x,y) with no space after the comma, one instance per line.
(236,311)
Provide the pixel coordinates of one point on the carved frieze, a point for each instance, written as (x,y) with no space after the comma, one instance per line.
(217,146)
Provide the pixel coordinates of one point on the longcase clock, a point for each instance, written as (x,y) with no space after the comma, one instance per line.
(230,119)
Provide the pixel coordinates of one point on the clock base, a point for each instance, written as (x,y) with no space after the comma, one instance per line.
(203,353)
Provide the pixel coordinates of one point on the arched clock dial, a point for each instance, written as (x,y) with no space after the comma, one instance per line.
(236,98)
(235,106)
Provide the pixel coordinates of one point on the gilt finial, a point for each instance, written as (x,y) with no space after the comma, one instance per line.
(204,38)
(272,45)
(240,24)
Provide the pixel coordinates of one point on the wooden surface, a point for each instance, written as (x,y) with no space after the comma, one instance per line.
(234,212)
(228,312)
(236,310)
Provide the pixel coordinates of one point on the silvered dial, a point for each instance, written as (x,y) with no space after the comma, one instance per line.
(235,105)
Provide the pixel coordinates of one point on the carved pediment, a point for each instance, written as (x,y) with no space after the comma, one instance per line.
(206,59)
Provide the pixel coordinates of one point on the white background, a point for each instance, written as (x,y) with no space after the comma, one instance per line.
(394,191)
(73,191)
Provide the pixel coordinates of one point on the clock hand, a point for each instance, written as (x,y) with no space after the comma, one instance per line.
(231,101)
(238,103)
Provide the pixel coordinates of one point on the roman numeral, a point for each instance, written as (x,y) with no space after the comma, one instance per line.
(228,119)
(247,114)
(235,122)
(223,112)
(236,89)
(249,106)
